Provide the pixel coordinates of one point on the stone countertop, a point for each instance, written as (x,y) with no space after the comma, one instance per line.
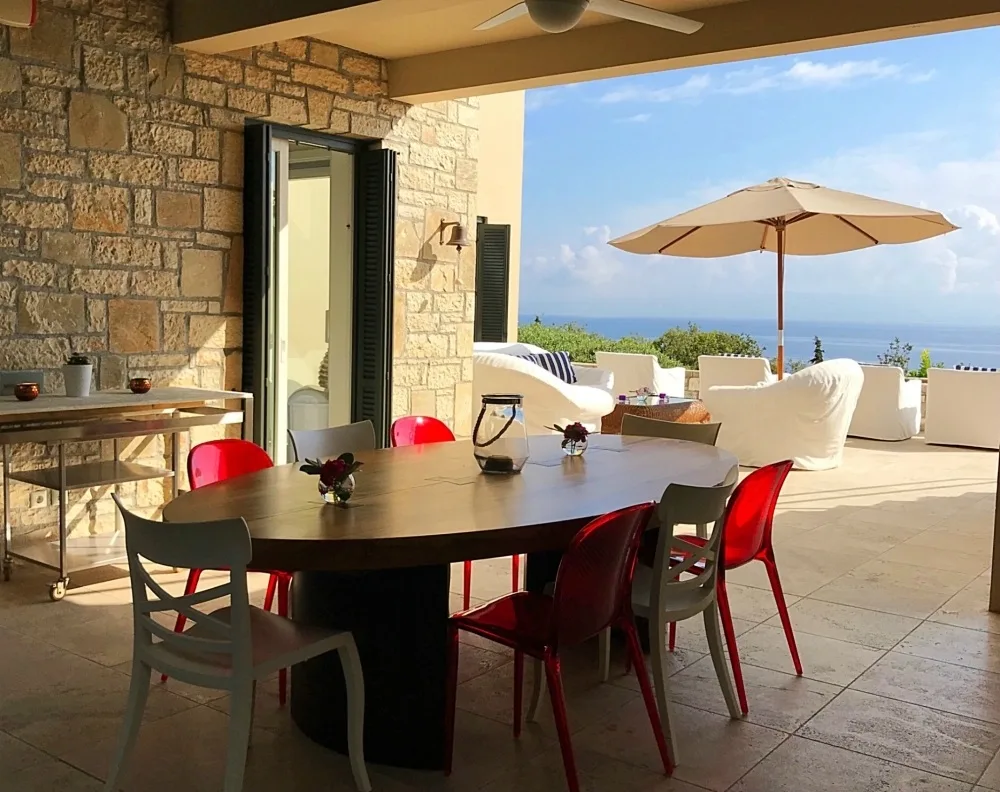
(111,402)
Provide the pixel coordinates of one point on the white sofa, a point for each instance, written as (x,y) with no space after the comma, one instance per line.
(732,370)
(633,371)
(591,376)
(963,408)
(803,417)
(547,399)
(889,406)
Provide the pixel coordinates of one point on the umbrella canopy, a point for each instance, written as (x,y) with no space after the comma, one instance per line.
(785,216)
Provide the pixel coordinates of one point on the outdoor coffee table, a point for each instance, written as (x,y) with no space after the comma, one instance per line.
(380,568)
(677,410)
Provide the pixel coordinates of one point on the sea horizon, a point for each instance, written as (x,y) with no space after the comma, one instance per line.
(950,344)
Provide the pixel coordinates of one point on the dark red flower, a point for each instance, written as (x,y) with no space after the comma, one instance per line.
(333,470)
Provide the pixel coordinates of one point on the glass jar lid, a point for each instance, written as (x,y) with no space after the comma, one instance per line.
(503,398)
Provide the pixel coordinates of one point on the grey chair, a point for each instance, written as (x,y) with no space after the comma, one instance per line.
(328,443)
(640,426)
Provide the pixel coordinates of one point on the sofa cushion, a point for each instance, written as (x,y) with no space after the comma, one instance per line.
(557,363)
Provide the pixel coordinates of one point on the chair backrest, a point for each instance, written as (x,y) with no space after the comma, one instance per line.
(593,583)
(218,460)
(732,370)
(631,370)
(641,426)
(332,442)
(215,545)
(751,512)
(682,504)
(418,430)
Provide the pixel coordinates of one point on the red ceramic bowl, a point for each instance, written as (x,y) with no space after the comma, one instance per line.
(26,391)
(139,385)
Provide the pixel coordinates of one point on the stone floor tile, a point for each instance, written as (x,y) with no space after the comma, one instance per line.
(958,645)
(846,623)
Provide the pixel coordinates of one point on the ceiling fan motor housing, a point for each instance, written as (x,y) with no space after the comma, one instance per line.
(556,16)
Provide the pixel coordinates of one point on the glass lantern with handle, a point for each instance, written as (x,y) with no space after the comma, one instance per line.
(500,437)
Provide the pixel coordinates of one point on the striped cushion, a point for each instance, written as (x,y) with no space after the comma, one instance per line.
(556,363)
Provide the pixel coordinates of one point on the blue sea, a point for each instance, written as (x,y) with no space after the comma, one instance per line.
(949,344)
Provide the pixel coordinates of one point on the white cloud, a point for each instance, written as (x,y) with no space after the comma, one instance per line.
(754,79)
(601,233)
(537,98)
(638,118)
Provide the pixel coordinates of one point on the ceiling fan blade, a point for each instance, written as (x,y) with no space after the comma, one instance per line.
(512,13)
(645,16)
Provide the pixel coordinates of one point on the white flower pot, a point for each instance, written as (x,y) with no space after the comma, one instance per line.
(77,380)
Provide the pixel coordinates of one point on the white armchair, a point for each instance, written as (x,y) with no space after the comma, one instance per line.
(803,417)
(547,399)
(632,372)
(889,406)
(963,408)
(592,376)
(732,370)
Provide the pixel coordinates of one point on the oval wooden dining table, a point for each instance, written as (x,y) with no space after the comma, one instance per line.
(380,567)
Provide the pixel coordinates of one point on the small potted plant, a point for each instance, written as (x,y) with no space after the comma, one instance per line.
(336,477)
(643,395)
(77,374)
(574,438)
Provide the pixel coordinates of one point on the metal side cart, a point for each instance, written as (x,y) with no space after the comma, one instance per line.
(60,421)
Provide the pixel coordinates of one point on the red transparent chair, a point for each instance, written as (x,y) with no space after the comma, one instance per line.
(747,527)
(591,593)
(421,429)
(219,460)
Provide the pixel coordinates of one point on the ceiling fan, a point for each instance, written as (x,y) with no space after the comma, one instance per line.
(558,16)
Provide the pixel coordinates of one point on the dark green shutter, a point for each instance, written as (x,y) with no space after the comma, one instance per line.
(257,249)
(492,281)
(375,219)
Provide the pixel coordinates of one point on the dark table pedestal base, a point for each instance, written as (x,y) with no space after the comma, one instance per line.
(399,619)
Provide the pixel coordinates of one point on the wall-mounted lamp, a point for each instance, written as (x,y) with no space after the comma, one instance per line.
(458,238)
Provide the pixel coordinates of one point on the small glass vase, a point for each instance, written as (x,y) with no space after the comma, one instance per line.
(339,492)
(574,448)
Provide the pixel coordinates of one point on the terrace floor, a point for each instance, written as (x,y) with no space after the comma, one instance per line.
(885,565)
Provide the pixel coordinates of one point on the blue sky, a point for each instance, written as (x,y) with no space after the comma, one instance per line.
(916,121)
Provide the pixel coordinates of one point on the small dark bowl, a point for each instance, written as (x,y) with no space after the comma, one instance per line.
(26,391)
(139,385)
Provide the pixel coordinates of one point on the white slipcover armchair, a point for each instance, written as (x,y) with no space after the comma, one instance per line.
(889,405)
(547,399)
(963,408)
(592,376)
(632,372)
(732,370)
(803,417)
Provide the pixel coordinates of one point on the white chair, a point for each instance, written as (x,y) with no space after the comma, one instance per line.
(732,370)
(547,399)
(328,443)
(889,405)
(228,649)
(803,417)
(963,408)
(586,374)
(632,372)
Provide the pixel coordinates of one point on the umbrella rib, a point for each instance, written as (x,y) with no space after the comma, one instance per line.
(863,233)
(683,236)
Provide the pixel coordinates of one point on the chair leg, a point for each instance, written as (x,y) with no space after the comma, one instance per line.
(189,588)
(137,693)
(673,635)
(658,657)
(240,720)
(451,693)
(283,612)
(726,616)
(515,572)
(272,585)
(518,690)
(354,681)
(467,584)
(553,678)
(604,654)
(536,689)
(647,694)
(786,622)
(253,711)
(715,648)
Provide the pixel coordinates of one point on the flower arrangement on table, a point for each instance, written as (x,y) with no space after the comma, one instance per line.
(643,395)
(574,437)
(336,477)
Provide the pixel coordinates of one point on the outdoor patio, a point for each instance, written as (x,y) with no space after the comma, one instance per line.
(885,566)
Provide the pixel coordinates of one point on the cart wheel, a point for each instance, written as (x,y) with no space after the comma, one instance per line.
(57,590)
(8,569)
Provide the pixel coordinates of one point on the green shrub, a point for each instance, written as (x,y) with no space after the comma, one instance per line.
(685,344)
(817,351)
(925,364)
(897,354)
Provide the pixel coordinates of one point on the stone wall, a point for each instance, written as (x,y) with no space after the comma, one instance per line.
(121,174)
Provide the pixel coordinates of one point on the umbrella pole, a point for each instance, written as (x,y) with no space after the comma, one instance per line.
(781,300)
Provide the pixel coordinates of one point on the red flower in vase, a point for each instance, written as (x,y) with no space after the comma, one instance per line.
(574,432)
(333,471)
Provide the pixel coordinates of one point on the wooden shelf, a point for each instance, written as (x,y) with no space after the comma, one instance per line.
(92,474)
(85,552)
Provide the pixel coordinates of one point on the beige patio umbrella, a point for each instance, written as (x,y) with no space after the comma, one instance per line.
(785,216)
